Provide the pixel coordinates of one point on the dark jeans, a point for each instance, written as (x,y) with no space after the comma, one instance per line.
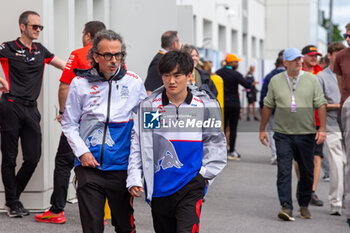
(179,212)
(301,148)
(94,186)
(64,163)
(231,119)
(18,121)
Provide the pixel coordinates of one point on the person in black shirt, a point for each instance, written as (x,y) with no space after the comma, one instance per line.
(251,93)
(170,41)
(23,63)
(232,106)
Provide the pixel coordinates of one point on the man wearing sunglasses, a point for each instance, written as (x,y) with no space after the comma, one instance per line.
(97,122)
(64,160)
(23,63)
(342,70)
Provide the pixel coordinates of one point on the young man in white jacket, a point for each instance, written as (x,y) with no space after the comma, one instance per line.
(97,122)
(178,146)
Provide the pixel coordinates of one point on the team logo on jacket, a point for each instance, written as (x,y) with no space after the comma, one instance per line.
(97,138)
(94,90)
(124,93)
(169,160)
(151,120)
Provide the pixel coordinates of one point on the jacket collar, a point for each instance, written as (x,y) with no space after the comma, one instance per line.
(165,99)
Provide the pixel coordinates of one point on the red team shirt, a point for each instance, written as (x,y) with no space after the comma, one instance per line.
(77,59)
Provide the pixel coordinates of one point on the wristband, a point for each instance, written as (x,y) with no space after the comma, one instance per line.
(60,112)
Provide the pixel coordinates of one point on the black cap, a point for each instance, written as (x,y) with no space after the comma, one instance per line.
(310,50)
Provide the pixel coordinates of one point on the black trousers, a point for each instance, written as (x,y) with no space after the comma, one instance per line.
(93,187)
(231,113)
(300,148)
(179,212)
(18,121)
(64,163)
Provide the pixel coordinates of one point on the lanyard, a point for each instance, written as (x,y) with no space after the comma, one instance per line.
(193,78)
(295,84)
(162,51)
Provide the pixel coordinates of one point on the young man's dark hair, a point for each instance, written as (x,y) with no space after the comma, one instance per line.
(168,38)
(93,27)
(335,47)
(183,61)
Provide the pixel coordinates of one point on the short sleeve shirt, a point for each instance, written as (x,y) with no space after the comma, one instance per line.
(342,68)
(24,68)
(77,59)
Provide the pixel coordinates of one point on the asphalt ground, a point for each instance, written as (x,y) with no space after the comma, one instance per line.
(242,199)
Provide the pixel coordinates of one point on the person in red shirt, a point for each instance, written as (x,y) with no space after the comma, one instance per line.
(310,65)
(64,161)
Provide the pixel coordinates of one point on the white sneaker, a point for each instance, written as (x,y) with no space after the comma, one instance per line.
(335,210)
(233,156)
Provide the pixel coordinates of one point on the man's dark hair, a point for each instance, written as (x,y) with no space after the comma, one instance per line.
(280,53)
(23,18)
(335,47)
(279,62)
(176,59)
(168,38)
(108,35)
(94,27)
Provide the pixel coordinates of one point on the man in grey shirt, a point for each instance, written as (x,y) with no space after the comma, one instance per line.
(333,144)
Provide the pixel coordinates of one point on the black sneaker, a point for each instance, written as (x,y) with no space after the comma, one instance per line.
(15,211)
(315,201)
(25,212)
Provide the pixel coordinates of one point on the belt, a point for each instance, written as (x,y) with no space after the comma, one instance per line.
(26,103)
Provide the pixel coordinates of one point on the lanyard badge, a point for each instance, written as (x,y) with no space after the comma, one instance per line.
(293,105)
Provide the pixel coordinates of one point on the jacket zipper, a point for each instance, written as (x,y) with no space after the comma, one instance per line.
(107,121)
(177,112)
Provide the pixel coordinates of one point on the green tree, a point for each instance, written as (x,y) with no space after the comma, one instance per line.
(337,35)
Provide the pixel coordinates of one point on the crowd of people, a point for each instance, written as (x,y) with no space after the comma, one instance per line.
(308,105)
(125,137)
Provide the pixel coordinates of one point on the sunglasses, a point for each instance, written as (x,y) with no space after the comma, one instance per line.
(346,35)
(109,56)
(35,27)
